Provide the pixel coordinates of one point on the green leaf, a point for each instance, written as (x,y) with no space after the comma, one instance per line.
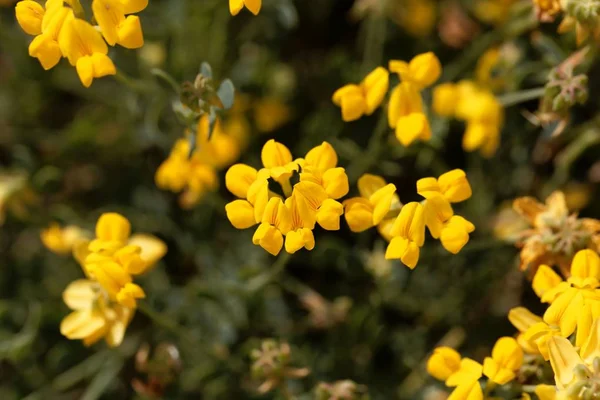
(226,93)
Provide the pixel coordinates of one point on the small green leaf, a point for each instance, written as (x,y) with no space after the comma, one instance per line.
(226,93)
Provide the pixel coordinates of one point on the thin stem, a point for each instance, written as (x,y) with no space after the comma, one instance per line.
(264,279)
(134,84)
(510,99)
(165,76)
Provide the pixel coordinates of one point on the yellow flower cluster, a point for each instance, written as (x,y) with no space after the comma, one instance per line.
(463,374)
(293,212)
(104,303)
(194,173)
(404,225)
(60,31)
(478,107)
(235,6)
(406,113)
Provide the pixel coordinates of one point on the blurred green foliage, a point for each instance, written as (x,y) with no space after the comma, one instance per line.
(215,296)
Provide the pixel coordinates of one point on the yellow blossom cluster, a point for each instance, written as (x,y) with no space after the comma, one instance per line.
(60,31)
(287,211)
(235,6)
(103,303)
(463,374)
(404,225)
(194,172)
(406,112)
(480,110)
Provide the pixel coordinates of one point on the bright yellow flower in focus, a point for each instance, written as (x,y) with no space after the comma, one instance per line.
(85,49)
(444,362)
(363,99)
(63,240)
(115,26)
(408,235)
(406,115)
(422,71)
(93,317)
(47,25)
(235,6)
(320,167)
(466,381)
(523,320)
(505,362)
(376,199)
(544,281)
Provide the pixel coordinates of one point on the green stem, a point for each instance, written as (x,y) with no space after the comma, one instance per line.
(264,279)
(165,76)
(510,99)
(134,84)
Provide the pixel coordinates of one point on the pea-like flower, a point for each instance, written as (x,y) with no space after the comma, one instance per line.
(363,99)
(422,71)
(443,363)
(408,235)
(235,6)
(505,362)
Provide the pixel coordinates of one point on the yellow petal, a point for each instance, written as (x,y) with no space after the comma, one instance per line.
(584,328)
(335,182)
(382,201)
(437,211)
(346,91)
(309,197)
(29,16)
(425,69)
(455,186)
(564,311)
(113,227)
(412,127)
(522,318)
(410,223)
(469,371)
(358,213)
(328,215)
(275,154)
(467,391)
(322,157)
(82,324)
(46,50)
(134,6)
(445,97)
(130,33)
(129,293)
(258,196)
(545,392)
(253,5)
(508,354)
(428,187)
(563,359)
(80,294)
(403,249)
(235,6)
(152,248)
(116,333)
(586,264)
(299,239)
(404,100)
(545,279)
(238,179)
(109,14)
(455,233)
(590,338)
(375,87)
(269,238)
(241,214)
(443,362)
(369,184)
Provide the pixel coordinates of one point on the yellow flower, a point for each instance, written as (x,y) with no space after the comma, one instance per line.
(115,27)
(376,199)
(484,70)
(417,17)
(235,6)
(29,15)
(62,240)
(422,71)
(115,256)
(363,99)
(270,114)
(408,233)
(445,97)
(466,381)
(93,317)
(444,362)
(563,359)
(484,116)
(544,281)
(453,185)
(506,360)
(275,223)
(455,232)
(405,114)
(320,167)
(278,160)
(540,333)
(85,49)
(45,46)
(545,392)
(252,188)
(523,320)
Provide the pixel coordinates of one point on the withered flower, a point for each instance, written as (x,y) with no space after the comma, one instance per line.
(160,366)
(325,314)
(272,367)
(555,235)
(341,390)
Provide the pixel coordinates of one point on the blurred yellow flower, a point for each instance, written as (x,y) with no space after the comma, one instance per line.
(406,114)
(408,235)
(417,17)
(422,71)
(270,114)
(358,100)
(63,240)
